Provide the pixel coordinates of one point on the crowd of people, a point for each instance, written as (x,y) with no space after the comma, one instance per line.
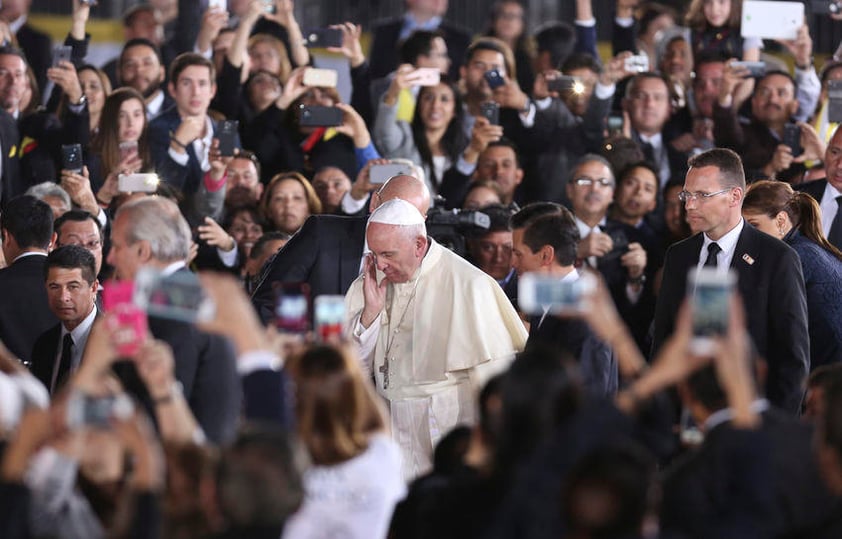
(211,151)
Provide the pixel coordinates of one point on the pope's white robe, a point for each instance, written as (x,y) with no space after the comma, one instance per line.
(459,330)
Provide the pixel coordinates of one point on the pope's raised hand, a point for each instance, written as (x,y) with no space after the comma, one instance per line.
(374,294)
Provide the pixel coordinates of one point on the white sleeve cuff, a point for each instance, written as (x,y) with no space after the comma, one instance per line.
(543,104)
(625,22)
(351,205)
(586,22)
(528,118)
(464,167)
(101,218)
(229,258)
(257,360)
(179,158)
(602,91)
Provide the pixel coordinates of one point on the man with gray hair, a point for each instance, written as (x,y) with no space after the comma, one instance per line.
(431,328)
(151,231)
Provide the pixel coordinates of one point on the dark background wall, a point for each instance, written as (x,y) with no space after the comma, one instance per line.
(470,13)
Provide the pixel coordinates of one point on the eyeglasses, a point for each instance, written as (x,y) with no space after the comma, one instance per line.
(685,196)
(587,182)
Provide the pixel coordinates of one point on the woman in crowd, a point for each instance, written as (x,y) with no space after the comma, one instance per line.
(355,481)
(288,201)
(434,139)
(794,217)
(120,146)
(507,23)
(97,87)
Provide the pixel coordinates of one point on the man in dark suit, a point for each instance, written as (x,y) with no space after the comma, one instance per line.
(27,228)
(141,66)
(152,232)
(327,251)
(37,45)
(544,240)
(696,487)
(420,15)
(769,275)
(71,291)
(647,103)
(828,191)
(10,184)
(181,137)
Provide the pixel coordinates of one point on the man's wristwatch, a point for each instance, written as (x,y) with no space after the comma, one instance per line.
(82,101)
(637,281)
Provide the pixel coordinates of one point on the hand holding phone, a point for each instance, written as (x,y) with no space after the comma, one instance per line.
(711,293)
(226,133)
(494,79)
(491,111)
(292,307)
(71,158)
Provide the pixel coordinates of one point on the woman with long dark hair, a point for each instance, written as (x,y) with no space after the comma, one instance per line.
(435,138)
(794,217)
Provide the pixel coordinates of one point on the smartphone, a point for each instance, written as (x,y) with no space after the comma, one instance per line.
(322,38)
(615,124)
(755,69)
(426,76)
(137,183)
(61,53)
(540,293)
(792,138)
(378,174)
(834,101)
(639,63)
(132,326)
(329,317)
(711,294)
(226,133)
(127,149)
(71,158)
(566,83)
(219,5)
(619,244)
(269,7)
(324,78)
(292,307)
(178,296)
(85,410)
(491,111)
(494,79)
(318,116)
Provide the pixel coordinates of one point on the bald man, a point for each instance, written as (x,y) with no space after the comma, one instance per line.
(327,251)
(431,329)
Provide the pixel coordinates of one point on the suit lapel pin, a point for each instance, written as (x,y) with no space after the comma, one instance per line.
(748,260)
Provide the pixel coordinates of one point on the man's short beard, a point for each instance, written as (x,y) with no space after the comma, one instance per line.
(149,92)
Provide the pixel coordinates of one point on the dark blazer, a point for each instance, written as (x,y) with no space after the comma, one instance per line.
(823,279)
(24,311)
(699,489)
(266,397)
(38,48)
(10,181)
(771,284)
(814,188)
(185,178)
(44,353)
(383,54)
(206,366)
(326,254)
(597,362)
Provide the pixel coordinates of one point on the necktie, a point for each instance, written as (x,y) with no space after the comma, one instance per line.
(713,250)
(64,362)
(834,236)
(649,153)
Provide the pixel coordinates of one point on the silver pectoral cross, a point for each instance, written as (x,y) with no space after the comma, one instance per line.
(384,370)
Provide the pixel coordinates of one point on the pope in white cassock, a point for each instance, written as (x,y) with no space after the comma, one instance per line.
(431,329)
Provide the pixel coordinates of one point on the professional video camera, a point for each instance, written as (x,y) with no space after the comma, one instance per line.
(448,227)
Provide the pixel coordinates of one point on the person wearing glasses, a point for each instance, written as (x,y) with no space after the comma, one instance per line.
(769,276)
(611,247)
(78,227)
